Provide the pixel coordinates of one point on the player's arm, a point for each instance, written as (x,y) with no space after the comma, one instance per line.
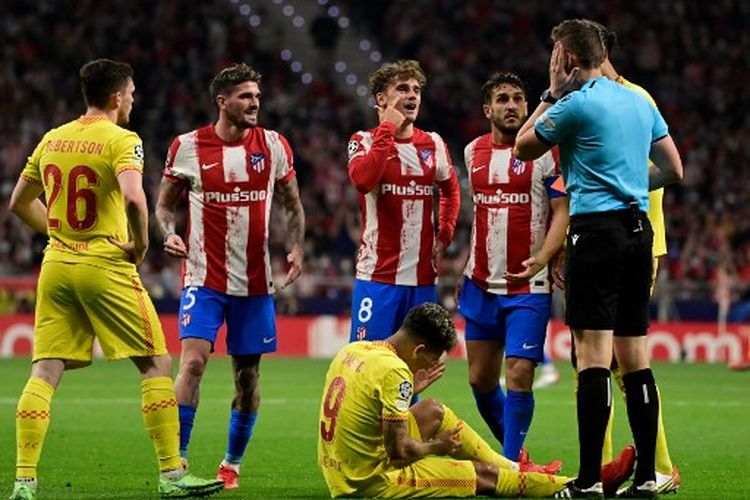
(295,227)
(553,241)
(667,167)
(366,167)
(169,196)
(403,450)
(25,203)
(449,194)
(136,210)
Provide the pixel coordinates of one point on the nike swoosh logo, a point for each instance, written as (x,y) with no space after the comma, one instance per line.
(528,346)
(206,166)
(268,340)
(477,169)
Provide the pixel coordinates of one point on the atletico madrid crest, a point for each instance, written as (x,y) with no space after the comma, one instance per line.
(185,319)
(361,332)
(427,158)
(518,166)
(258,161)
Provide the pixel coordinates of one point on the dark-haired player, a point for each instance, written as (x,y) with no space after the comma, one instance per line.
(230,170)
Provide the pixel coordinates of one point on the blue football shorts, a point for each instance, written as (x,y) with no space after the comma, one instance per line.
(379,309)
(251,321)
(518,321)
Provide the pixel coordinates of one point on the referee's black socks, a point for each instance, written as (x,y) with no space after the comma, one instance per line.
(643,414)
(594,401)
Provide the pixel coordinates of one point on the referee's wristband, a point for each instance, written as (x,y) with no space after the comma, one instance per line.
(548,97)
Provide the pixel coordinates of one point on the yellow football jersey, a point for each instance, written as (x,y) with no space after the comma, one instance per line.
(655,198)
(78,164)
(366,384)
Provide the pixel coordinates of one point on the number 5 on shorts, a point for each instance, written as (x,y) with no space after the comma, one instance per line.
(190,297)
(365,310)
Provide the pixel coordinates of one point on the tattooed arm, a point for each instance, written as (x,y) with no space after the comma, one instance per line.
(295,227)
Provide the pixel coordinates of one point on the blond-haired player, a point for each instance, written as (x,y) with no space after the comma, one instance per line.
(96,217)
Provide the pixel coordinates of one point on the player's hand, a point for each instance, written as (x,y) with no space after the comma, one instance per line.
(448,442)
(294,258)
(136,254)
(560,81)
(438,250)
(425,378)
(389,113)
(175,247)
(558,269)
(532,266)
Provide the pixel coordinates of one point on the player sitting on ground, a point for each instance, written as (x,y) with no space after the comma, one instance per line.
(373,443)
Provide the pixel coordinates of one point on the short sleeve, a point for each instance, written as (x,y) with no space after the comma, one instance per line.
(31,172)
(283,159)
(659,129)
(127,153)
(560,121)
(396,392)
(170,173)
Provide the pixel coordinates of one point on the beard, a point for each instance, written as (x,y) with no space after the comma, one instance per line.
(499,124)
(239,120)
(123,118)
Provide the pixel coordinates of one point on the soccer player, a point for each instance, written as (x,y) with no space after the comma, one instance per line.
(372,443)
(229,170)
(394,168)
(667,476)
(90,171)
(606,134)
(519,224)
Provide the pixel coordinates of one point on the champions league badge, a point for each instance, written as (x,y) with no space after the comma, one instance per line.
(405,389)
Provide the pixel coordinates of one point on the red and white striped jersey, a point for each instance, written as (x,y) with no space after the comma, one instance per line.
(230,189)
(511,214)
(396,183)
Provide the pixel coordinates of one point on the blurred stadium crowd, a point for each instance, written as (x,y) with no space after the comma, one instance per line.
(692,57)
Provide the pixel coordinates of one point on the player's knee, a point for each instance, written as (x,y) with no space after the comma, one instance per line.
(193,366)
(435,410)
(482,382)
(519,375)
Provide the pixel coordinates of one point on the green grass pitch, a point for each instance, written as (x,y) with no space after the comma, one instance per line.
(97,447)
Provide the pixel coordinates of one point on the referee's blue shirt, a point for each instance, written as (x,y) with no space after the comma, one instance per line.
(604,131)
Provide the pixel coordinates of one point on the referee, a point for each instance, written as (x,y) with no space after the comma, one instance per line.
(606,134)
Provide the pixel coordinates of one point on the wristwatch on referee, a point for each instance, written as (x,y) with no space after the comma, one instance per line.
(548,97)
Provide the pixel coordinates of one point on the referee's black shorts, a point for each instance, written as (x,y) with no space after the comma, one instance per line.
(609,273)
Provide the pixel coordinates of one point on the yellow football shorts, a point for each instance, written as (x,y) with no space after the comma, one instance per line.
(430,477)
(77,302)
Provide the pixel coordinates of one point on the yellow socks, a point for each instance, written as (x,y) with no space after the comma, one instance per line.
(159,408)
(663,460)
(473,447)
(511,484)
(32,421)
